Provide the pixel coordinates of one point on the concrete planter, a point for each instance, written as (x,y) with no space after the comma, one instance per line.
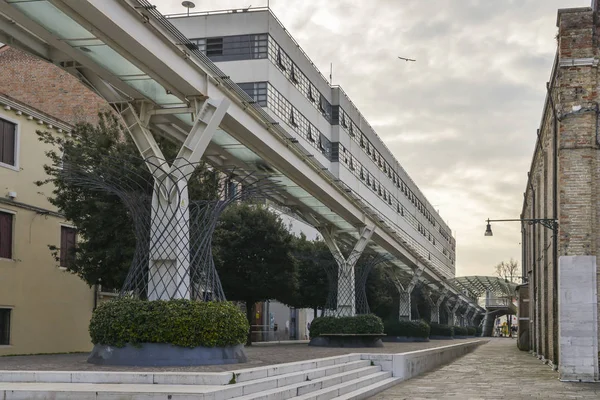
(350,341)
(162,354)
(436,337)
(404,339)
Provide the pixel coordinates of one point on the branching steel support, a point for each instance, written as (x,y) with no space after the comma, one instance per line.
(346,290)
(405,306)
(169,237)
(435,310)
(455,311)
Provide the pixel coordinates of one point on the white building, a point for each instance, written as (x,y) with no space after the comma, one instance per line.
(256,51)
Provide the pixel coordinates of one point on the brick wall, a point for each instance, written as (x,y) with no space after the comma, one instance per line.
(46,87)
(574,88)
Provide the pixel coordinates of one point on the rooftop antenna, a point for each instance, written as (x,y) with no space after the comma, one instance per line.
(188,5)
(331,74)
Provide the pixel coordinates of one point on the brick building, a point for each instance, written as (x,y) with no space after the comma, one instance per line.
(563,186)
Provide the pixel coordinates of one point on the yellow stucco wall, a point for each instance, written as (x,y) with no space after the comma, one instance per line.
(51,308)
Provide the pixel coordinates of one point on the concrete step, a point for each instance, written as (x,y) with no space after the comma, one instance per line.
(174,378)
(346,388)
(300,389)
(278,381)
(371,390)
(258,389)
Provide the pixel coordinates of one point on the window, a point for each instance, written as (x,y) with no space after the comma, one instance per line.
(214,47)
(8,143)
(280,60)
(293,74)
(292,119)
(311,138)
(311,95)
(5,326)
(67,245)
(256,90)
(6,235)
(231,189)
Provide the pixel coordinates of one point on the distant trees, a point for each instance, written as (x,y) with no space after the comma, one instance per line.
(508,270)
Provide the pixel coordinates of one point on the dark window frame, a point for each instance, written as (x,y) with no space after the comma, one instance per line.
(8,143)
(68,243)
(7,235)
(5,320)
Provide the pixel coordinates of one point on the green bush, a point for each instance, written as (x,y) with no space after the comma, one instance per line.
(359,324)
(460,331)
(417,329)
(182,323)
(472,330)
(441,330)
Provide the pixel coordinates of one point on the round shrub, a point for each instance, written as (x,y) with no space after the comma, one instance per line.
(441,330)
(359,324)
(182,323)
(472,330)
(460,331)
(416,329)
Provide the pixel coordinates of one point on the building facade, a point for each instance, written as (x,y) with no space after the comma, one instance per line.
(560,247)
(43,308)
(256,51)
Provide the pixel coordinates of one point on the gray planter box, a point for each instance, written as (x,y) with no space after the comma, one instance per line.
(162,354)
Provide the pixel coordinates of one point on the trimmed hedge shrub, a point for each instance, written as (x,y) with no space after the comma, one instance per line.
(417,329)
(359,324)
(460,331)
(182,323)
(441,330)
(472,330)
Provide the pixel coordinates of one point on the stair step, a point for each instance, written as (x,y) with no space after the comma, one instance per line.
(279,381)
(174,378)
(371,390)
(342,389)
(300,389)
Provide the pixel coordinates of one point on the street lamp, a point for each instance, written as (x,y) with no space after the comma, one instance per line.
(551,224)
(488,229)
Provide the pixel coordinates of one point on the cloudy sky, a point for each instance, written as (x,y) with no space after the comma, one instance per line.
(461,120)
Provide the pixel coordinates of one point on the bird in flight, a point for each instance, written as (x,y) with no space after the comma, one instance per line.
(406,59)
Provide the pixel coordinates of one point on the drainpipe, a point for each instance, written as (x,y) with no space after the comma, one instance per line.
(555,231)
(533,287)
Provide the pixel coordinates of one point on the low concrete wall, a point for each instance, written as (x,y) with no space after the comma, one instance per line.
(414,363)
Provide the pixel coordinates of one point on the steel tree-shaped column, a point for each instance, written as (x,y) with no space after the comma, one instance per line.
(405,291)
(363,269)
(169,245)
(345,290)
(435,307)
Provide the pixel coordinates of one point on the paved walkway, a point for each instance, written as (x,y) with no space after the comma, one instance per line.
(257,357)
(497,370)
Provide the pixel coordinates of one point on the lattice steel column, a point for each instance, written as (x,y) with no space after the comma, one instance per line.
(435,309)
(169,261)
(405,306)
(454,313)
(345,302)
(465,315)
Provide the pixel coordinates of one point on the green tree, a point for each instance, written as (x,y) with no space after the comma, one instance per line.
(106,239)
(253,256)
(314,259)
(382,294)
